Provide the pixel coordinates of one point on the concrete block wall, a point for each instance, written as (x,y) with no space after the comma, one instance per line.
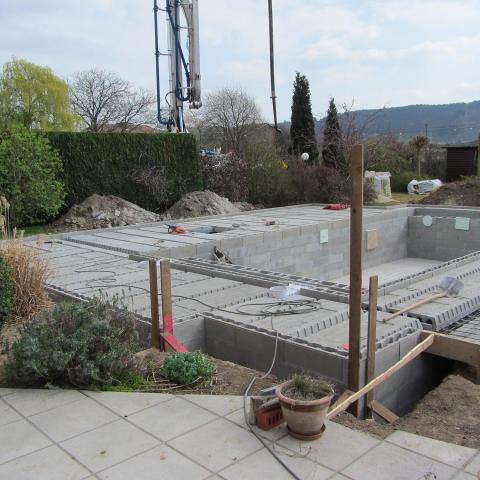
(442,240)
(300,251)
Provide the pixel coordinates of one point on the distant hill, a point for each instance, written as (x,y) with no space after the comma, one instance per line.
(450,123)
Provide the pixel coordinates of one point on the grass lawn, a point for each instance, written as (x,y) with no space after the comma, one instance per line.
(397,199)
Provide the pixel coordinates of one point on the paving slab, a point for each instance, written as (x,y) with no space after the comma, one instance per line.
(73,419)
(7,414)
(126,404)
(20,438)
(50,463)
(473,466)
(219,404)
(337,448)
(454,455)
(171,418)
(32,401)
(158,463)
(388,461)
(217,444)
(262,465)
(108,445)
(465,476)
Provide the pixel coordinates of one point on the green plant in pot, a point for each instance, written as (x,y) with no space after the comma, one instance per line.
(305,401)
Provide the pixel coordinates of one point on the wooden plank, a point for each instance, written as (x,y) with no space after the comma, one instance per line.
(172,344)
(383,411)
(454,348)
(372,336)
(415,352)
(167,308)
(356,251)
(154,311)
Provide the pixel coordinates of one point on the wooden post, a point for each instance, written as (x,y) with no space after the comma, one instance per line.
(167,309)
(152,268)
(372,337)
(356,250)
(414,353)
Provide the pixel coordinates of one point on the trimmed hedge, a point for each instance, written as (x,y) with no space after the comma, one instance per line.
(108,164)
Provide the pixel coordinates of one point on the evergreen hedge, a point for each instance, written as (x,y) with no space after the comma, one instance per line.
(105,163)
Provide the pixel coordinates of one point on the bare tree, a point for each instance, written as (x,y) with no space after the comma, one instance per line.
(105,101)
(419,144)
(232,115)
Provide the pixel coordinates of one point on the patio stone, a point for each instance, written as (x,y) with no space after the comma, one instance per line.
(454,455)
(172,418)
(126,404)
(473,466)
(30,402)
(217,445)
(219,404)
(7,414)
(50,463)
(159,463)
(338,447)
(393,462)
(7,391)
(19,438)
(73,419)
(262,465)
(108,445)
(465,476)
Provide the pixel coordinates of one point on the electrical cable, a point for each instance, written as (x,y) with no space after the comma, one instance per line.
(259,438)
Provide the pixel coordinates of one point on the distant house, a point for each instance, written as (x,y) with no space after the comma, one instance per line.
(462,160)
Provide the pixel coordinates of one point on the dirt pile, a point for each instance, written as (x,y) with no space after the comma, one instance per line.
(99,211)
(463,193)
(199,204)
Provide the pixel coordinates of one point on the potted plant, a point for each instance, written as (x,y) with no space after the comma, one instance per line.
(305,401)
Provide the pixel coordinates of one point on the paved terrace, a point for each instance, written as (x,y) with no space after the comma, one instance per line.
(75,435)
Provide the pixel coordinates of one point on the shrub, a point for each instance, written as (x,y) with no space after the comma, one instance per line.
(186,368)
(268,178)
(30,274)
(303,387)
(119,163)
(399,181)
(29,170)
(7,292)
(226,175)
(88,344)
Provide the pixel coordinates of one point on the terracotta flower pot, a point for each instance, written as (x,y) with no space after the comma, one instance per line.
(305,418)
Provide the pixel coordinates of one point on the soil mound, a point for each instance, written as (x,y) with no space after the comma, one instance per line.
(199,204)
(463,193)
(99,211)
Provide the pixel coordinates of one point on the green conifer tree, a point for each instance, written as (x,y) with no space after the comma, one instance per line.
(332,153)
(302,129)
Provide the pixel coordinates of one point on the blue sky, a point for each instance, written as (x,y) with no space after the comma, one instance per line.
(377,53)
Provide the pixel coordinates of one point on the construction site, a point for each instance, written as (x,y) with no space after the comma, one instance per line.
(320,327)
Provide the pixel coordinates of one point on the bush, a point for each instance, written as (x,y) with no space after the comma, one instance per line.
(226,175)
(29,170)
(88,344)
(186,368)
(268,178)
(7,292)
(399,181)
(30,274)
(122,164)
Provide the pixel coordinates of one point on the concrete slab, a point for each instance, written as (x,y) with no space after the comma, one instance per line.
(337,448)
(108,445)
(220,405)
(160,462)
(7,414)
(473,466)
(217,444)
(390,461)
(171,418)
(72,419)
(20,438)
(32,401)
(126,404)
(50,463)
(453,455)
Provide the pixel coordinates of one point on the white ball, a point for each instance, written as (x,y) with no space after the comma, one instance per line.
(305,156)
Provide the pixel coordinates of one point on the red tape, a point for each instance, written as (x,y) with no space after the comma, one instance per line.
(168,324)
